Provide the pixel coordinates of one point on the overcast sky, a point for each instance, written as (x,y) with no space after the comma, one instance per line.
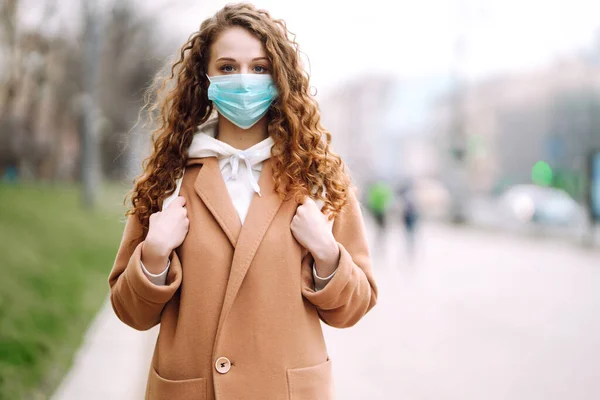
(345,39)
(417,38)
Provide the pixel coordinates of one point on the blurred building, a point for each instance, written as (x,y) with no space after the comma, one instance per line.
(352,113)
(382,127)
(509,123)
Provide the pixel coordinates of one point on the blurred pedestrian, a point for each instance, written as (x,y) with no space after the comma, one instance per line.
(409,220)
(379,200)
(237,200)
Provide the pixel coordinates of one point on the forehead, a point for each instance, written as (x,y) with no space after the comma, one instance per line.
(237,43)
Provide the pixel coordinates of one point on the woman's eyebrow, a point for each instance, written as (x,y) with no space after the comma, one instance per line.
(234,60)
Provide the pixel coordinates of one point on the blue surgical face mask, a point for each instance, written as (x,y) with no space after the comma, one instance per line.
(242,98)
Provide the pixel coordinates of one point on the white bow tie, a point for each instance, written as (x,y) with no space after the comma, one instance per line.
(252,158)
(204,144)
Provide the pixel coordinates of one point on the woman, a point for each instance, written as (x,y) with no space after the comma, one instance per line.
(225,245)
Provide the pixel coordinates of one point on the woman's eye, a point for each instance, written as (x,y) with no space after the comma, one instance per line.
(227,68)
(259,69)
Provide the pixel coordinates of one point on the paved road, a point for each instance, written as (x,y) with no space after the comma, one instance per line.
(477,316)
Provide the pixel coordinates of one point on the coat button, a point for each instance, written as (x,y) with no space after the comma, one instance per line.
(223,365)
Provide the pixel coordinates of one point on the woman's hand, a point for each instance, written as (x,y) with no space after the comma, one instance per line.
(312,229)
(167,230)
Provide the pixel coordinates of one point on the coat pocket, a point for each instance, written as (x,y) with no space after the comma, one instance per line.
(311,383)
(160,388)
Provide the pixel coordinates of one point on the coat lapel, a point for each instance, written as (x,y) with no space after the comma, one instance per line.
(211,188)
(260,214)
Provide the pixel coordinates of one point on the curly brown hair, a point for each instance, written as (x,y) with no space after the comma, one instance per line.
(302,159)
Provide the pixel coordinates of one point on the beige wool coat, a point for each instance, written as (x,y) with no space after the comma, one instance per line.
(239,316)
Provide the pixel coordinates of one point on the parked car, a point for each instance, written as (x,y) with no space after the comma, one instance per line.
(541,205)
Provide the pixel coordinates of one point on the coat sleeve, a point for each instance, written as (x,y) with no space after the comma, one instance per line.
(352,291)
(137,301)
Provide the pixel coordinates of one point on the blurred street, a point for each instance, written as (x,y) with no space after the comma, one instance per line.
(478,315)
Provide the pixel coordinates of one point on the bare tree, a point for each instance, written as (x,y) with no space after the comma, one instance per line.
(10,57)
(90,117)
(69,101)
(129,61)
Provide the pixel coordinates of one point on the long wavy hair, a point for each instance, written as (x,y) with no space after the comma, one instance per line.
(177,103)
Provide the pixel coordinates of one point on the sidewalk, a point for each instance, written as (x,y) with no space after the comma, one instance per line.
(112,363)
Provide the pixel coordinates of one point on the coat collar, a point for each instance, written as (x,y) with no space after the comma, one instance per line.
(246,238)
(260,215)
(210,186)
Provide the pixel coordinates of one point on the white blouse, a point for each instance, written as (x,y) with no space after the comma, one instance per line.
(241,170)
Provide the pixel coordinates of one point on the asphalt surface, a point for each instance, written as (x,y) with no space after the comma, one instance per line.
(475,316)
